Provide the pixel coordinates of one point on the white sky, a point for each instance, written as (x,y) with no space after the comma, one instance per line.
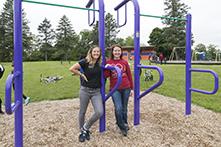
(205,17)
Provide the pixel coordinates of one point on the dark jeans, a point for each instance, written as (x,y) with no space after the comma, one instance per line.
(120,100)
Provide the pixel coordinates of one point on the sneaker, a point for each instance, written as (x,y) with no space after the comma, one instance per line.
(82,136)
(27,100)
(88,134)
(1,112)
(127,127)
(124,132)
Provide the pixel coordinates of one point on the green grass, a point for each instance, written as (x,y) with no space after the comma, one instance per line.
(68,87)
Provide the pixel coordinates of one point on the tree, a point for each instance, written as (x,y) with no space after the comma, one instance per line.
(129,41)
(7,32)
(46,35)
(86,40)
(173,35)
(211,52)
(66,38)
(111,30)
(120,41)
(200,48)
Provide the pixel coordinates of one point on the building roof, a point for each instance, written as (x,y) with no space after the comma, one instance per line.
(142,47)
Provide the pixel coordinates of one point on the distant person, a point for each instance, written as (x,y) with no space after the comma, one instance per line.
(121,96)
(161,58)
(2,70)
(25,98)
(90,74)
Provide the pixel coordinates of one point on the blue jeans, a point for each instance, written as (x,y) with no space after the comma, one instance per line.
(120,100)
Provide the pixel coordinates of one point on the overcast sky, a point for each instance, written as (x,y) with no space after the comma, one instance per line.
(205,17)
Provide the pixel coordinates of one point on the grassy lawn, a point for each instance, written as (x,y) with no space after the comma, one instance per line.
(174,85)
(68,87)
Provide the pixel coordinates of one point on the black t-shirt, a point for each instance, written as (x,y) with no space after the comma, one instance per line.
(93,74)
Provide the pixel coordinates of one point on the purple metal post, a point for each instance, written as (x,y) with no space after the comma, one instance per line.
(101,26)
(18,68)
(136,62)
(188,64)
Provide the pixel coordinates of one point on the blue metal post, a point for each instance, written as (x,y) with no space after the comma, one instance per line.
(18,68)
(188,64)
(136,62)
(101,26)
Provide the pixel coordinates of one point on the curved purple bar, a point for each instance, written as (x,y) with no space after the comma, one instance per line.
(155,85)
(119,79)
(89,18)
(216,78)
(9,108)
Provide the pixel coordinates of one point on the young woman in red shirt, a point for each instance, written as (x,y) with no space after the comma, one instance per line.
(121,95)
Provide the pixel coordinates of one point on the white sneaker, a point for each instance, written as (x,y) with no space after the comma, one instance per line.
(27,100)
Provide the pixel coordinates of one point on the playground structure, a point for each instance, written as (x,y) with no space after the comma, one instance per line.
(174,53)
(17,77)
(217,56)
(195,54)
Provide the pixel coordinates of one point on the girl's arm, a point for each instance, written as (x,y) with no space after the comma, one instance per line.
(75,69)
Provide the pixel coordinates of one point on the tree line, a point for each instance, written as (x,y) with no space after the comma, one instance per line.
(63,43)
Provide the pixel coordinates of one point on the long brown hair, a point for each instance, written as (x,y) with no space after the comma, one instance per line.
(112,49)
(89,57)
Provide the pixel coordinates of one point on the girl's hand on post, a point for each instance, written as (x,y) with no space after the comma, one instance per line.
(107,65)
(84,77)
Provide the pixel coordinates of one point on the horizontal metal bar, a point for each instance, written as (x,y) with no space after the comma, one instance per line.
(121,4)
(163,17)
(58,5)
(89,3)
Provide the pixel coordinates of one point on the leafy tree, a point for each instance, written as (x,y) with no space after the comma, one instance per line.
(111,30)
(200,48)
(87,38)
(66,38)
(7,32)
(211,52)
(120,41)
(129,41)
(173,35)
(46,35)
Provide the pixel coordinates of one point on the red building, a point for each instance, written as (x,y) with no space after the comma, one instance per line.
(146,52)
